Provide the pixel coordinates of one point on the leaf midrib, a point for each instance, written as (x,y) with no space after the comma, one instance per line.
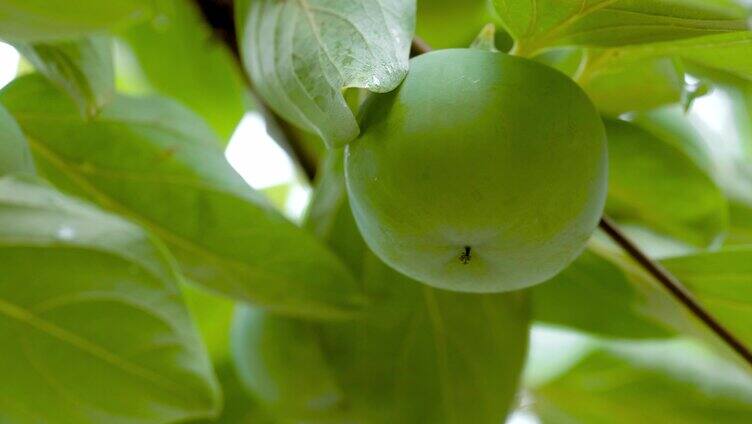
(20,314)
(165,233)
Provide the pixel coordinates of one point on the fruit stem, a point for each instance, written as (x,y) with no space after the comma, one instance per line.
(419,47)
(675,288)
(219,16)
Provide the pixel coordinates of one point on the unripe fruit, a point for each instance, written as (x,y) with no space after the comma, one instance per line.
(482,172)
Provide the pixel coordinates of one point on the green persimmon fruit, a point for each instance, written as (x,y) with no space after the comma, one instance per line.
(482,172)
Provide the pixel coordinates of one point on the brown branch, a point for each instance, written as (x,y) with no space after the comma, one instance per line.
(675,288)
(418,47)
(219,15)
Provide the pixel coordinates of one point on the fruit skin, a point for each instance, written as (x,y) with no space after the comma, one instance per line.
(478,150)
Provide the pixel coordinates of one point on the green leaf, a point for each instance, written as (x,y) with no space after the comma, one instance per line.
(672,126)
(180,59)
(239,407)
(740,230)
(420,355)
(727,53)
(302,55)
(212,315)
(595,296)
(92,322)
(655,184)
(536,25)
(158,164)
(640,86)
(15,156)
(720,280)
(82,68)
(674,382)
(740,93)
(44,20)
(450,24)
(282,363)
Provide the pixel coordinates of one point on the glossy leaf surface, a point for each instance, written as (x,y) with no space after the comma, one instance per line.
(82,68)
(93,325)
(302,55)
(157,163)
(209,81)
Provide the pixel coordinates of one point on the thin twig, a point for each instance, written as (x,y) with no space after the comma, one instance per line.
(419,47)
(218,14)
(675,287)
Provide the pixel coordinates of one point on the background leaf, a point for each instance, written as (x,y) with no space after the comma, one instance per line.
(721,281)
(451,24)
(441,356)
(302,55)
(595,296)
(647,382)
(82,68)
(15,156)
(672,126)
(158,164)
(213,315)
(44,20)
(728,53)
(655,184)
(88,301)
(545,23)
(239,407)
(640,86)
(181,58)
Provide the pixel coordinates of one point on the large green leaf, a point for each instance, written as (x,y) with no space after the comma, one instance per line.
(675,382)
(15,156)
(157,163)
(596,296)
(180,59)
(729,53)
(421,355)
(82,68)
(92,322)
(37,20)
(655,184)
(302,55)
(544,23)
